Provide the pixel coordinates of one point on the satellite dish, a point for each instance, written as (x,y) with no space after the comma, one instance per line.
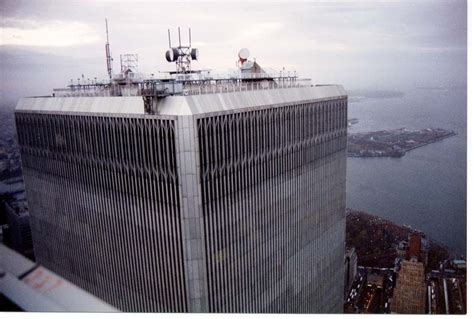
(172,55)
(194,54)
(247,65)
(244,54)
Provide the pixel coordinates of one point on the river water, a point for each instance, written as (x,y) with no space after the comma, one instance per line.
(427,187)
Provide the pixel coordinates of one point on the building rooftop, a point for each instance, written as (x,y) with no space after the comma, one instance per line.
(181,92)
(176,105)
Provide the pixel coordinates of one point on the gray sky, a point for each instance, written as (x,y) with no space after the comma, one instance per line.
(360,44)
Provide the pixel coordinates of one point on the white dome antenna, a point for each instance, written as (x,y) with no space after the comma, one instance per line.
(244,54)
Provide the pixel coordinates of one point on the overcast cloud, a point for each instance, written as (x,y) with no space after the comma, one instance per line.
(360,44)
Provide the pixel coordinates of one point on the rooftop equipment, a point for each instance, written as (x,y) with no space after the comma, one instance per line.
(183,81)
(182,55)
(108,56)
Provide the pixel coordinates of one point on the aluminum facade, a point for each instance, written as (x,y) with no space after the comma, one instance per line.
(236,210)
(179,105)
(106,213)
(273,198)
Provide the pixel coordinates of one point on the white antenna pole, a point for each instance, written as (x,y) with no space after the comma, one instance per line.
(169,38)
(107,52)
(179,36)
(189,29)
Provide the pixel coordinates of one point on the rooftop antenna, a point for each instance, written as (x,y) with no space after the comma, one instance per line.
(182,55)
(107,52)
(189,33)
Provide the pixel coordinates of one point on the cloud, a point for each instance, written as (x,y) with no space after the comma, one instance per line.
(46,34)
(330,41)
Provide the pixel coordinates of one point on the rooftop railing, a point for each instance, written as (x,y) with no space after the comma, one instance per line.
(184,86)
(242,86)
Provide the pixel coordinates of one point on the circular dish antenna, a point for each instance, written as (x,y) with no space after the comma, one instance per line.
(194,54)
(244,54)
(172,55)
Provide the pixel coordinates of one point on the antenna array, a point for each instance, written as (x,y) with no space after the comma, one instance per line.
(182,55)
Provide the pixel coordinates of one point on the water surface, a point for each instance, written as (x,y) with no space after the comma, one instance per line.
(427,187)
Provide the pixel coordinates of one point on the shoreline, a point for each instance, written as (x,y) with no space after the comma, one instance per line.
(450,134)
(375,240)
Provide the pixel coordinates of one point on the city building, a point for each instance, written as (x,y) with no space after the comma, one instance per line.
(458,264)
(409,295)
(350,266)
(191,193)
(375,280)
(14,217)
(17,232)
(416,246)
(447,288)
(402,248)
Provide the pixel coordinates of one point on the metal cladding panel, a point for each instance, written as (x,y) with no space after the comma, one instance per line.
(240,101)
(103,194)
(86,104)
(272,185)
(182,105)
(175,105)
(191,217)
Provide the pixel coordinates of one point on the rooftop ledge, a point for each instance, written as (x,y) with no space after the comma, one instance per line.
(199,100)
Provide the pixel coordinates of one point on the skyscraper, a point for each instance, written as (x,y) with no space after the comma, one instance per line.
(187,195)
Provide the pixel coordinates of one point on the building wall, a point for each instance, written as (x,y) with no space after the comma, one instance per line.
(234,211)
(273,200)
(192,217)
(104,204)
(350,265)
(19,231)
(409,295)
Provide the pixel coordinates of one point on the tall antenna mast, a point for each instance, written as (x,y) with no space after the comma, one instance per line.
(107,52)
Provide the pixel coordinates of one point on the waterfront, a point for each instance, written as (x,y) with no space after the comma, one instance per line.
(427,187)
(392,143)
